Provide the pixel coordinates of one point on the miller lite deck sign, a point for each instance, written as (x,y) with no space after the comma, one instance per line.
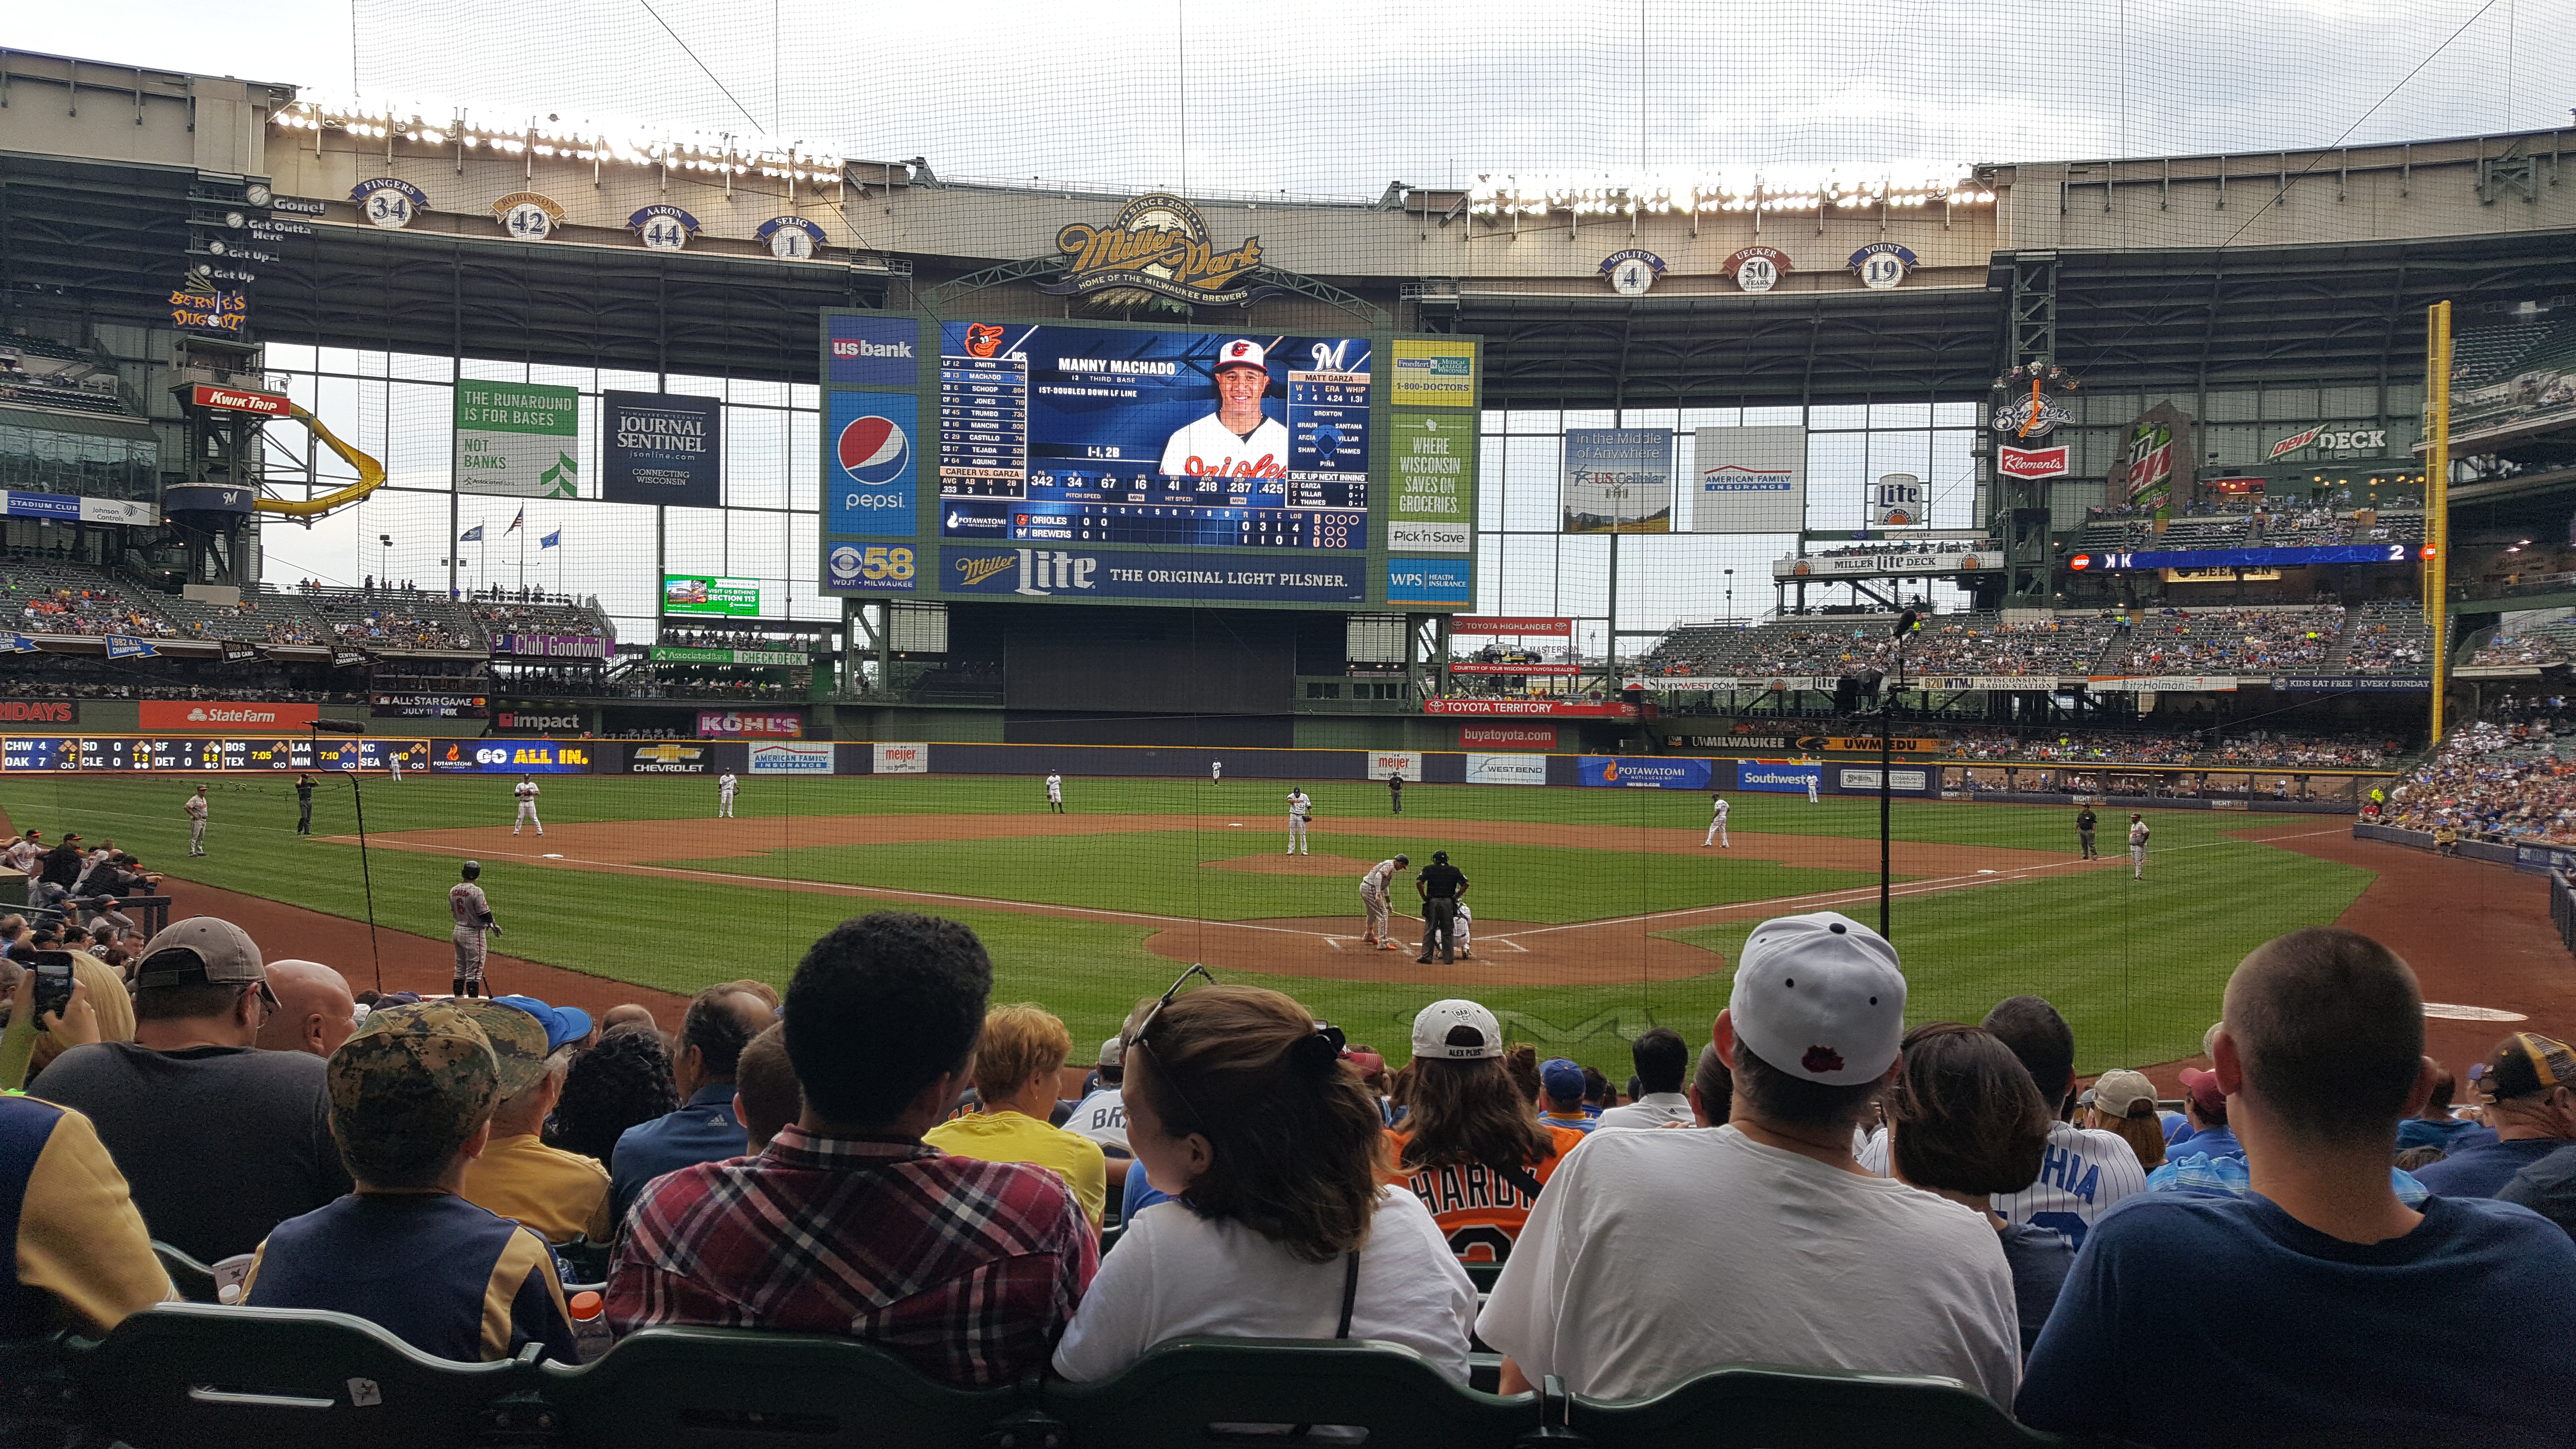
(2014,462)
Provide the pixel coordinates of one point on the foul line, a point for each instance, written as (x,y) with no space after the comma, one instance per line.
(1820,898)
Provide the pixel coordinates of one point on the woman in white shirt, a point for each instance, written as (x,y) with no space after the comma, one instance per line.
(1240,1107)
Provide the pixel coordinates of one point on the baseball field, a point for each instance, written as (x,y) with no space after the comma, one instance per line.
(1597,912)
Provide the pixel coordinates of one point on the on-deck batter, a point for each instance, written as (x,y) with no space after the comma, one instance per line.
(472,914)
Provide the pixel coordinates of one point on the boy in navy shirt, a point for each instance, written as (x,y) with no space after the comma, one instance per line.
(412,1093)
(2320,1309)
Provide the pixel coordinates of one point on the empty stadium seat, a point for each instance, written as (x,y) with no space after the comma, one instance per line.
(193,1376)
(194,1280)
(680,1387)
(1789,1408)
(1172,1396)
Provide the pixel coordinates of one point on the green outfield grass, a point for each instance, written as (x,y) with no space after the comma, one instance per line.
(2136,967)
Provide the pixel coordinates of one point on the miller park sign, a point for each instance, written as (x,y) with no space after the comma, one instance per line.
(1156,245)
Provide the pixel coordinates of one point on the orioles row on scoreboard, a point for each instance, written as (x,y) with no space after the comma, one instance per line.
(186,753)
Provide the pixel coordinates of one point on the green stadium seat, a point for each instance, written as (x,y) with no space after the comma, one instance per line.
(675,1388)
(1172,1396)
(194,1280)
(1482,1274)
(1796,1408)
(192,1376)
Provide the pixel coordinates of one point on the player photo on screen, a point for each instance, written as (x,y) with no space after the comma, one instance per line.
(1080,434)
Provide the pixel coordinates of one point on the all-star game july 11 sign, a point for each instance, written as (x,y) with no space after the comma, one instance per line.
(519,438)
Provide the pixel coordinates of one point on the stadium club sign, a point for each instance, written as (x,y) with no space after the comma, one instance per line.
(551,646)
(1157,244)
(727,724)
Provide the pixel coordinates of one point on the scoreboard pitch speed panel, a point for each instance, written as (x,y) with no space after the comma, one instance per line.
(1074,460)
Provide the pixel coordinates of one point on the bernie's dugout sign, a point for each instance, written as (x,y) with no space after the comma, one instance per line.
(1644,774)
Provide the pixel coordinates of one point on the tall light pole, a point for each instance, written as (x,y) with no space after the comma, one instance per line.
(384,576)
(1730,596)
(1905,627)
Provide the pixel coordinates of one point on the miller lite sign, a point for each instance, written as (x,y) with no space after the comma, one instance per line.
(2014,462)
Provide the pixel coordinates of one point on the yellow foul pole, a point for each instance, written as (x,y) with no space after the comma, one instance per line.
(2437,495)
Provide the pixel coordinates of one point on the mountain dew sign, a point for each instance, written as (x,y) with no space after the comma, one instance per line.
(520,438)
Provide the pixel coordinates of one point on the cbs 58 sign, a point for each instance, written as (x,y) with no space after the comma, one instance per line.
(870,567)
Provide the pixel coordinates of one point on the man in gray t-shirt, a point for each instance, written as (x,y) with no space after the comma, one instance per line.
(218,1140)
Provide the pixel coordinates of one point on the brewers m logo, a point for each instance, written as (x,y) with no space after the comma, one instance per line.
(1157,245)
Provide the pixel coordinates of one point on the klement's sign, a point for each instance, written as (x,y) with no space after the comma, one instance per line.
(266,404)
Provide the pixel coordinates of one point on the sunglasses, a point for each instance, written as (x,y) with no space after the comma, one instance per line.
(1136,1038)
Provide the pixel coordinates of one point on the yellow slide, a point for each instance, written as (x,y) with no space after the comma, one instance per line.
(371,475)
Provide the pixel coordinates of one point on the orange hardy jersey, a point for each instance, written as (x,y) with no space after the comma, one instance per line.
(1478,1211)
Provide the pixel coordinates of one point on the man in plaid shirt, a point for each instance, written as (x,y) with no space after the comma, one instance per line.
(847,1223)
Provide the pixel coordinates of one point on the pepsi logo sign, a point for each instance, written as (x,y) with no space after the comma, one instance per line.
(874,450)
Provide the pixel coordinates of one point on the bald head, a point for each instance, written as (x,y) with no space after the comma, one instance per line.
(628,1017)
(721,1021)
(315,1012)
(2328,1031)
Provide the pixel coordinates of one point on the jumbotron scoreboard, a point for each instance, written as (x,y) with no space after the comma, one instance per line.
(1100,462)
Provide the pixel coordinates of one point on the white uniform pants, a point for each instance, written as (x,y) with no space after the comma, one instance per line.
(724,805)
(1717,833)
(1458,928)
(397,764)
(1375,901)
(1811,792)
(2138,862)
(197,836)
(528,816)
(1296,834)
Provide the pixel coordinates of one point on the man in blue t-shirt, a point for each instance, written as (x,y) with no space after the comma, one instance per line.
(412,1093)
(2320,1309)
(2527,1080)
(722,1020)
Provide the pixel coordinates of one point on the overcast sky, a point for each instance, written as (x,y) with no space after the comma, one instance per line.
(1356,93)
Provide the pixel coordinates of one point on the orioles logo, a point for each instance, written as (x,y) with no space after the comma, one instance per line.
(983,338)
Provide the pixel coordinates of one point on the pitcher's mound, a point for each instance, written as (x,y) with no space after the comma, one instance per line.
(1268,864)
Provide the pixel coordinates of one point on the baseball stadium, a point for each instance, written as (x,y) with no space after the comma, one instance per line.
(462,550)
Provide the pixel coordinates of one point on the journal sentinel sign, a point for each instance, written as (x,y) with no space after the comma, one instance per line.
(1644,774)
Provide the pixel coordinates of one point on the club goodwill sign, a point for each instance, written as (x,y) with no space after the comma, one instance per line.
(662,448)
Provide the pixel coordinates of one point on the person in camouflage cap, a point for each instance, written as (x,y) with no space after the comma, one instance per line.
(409,1090)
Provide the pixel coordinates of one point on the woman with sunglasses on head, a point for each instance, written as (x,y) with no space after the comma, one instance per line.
(1240,1107)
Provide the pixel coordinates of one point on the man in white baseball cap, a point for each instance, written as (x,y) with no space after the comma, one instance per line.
(1238,440)
(1654,1256)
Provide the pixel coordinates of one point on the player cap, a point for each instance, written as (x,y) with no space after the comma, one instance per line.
(1241,352)
(1113,1051)
(518,1039)
(1561,1077)
(2526,1064)
(562,1023)
(2121,1092)
(413,1070)
(1435,1028)
(202,950)
(1821,997)
(2203,1090)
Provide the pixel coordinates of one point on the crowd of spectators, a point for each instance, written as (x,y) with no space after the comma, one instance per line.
(1974,643)
(2545,646)
(2494,782)
(82,611)
(2227,641)
(886,1154)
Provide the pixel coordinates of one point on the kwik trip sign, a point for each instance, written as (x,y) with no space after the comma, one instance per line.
(1156,244)
(234,399)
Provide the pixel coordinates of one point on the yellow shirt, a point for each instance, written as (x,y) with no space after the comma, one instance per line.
(1008,1136)
(555,1194)
(79,1236)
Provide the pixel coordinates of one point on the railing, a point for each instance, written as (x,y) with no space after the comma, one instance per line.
(2562,908)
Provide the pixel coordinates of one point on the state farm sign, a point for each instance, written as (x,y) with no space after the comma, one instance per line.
(2015,462)
(190,716)
(234,399)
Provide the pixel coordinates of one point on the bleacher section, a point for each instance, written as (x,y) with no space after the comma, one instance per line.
(41,373)
(264,616)
(1972,643)
(2389,637)
(394,619)
(2283,528)
(543,614)
(42,596)
(2538,644)
(2514,372)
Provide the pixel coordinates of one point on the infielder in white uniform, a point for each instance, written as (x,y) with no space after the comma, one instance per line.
(725,786)
(527,793)
(1299,807)
(196,808)
(1055,792)
(1811,783)
(1216,772)
(1237,440)
(396,760)
(1717,824)
(2137,847)
(1373,889)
